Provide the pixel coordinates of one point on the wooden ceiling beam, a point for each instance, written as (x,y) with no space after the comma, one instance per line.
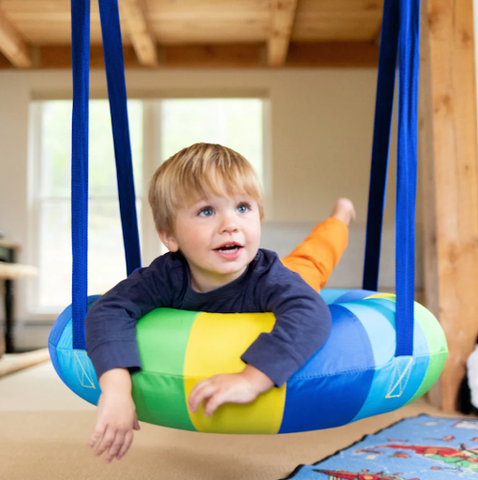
(133,15)
(282,22)
(239,55)
(12,45)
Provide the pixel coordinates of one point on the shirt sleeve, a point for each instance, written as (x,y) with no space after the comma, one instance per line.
(111,322)
(303,323)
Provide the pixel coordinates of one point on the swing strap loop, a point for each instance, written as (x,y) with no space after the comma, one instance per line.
(113,53)
(400,33)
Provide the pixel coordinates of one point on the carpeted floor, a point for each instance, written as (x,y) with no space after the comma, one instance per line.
(44,429)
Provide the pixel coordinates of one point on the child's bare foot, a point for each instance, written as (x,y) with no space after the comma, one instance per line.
(344,210)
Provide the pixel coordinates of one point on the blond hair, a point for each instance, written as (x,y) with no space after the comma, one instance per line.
(194,173)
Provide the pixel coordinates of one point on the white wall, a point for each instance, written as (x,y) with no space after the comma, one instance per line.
(321,122)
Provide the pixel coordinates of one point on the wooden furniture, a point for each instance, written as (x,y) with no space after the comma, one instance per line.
(10,271)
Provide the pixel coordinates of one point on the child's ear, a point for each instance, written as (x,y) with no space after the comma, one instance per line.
(169,241)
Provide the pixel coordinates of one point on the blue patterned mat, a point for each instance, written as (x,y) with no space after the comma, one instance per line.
(419,448)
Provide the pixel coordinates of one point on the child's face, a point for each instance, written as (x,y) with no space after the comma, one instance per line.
(219,236)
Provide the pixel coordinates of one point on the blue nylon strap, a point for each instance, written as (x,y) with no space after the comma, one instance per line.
(80,34)
(409,42)
(80,16)
(113,52)
(406,155)
(400,30)
(381,142)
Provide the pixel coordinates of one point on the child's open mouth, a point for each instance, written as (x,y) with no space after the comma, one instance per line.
(229,251)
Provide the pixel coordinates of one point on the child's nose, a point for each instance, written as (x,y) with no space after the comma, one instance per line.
(228,223)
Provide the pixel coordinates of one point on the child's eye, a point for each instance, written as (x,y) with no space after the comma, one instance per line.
(243,208)
(206,212)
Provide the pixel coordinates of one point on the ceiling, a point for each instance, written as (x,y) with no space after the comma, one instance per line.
(200,33)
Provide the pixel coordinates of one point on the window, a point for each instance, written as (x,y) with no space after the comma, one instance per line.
(236,123)
(158,130)
(51,203)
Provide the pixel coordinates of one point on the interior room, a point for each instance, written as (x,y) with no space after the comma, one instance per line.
(292,86)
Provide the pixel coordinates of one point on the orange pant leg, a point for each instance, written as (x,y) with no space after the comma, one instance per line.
(316,257)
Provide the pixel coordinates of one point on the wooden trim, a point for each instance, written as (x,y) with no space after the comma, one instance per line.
(301,55)
(12,45)
(134,17)
(282,21)
(449,158)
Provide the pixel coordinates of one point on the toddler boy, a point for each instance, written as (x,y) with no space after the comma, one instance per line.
(207,205)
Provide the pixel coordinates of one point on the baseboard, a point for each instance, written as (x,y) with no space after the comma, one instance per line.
(14,362)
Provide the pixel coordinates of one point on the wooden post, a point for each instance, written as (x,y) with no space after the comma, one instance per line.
(449,159)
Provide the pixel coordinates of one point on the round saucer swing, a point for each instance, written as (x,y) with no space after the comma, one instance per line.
(384,351)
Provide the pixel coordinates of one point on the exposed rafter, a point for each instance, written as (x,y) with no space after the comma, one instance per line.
(134,17)
(282,21)
(12,45)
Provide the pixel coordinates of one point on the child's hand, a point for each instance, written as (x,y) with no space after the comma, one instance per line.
(241,387)
(116,416)
(115,421)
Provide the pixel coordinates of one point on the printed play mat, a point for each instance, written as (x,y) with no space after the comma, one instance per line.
(419,448)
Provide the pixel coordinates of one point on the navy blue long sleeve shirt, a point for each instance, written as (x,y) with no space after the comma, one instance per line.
(303,320)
